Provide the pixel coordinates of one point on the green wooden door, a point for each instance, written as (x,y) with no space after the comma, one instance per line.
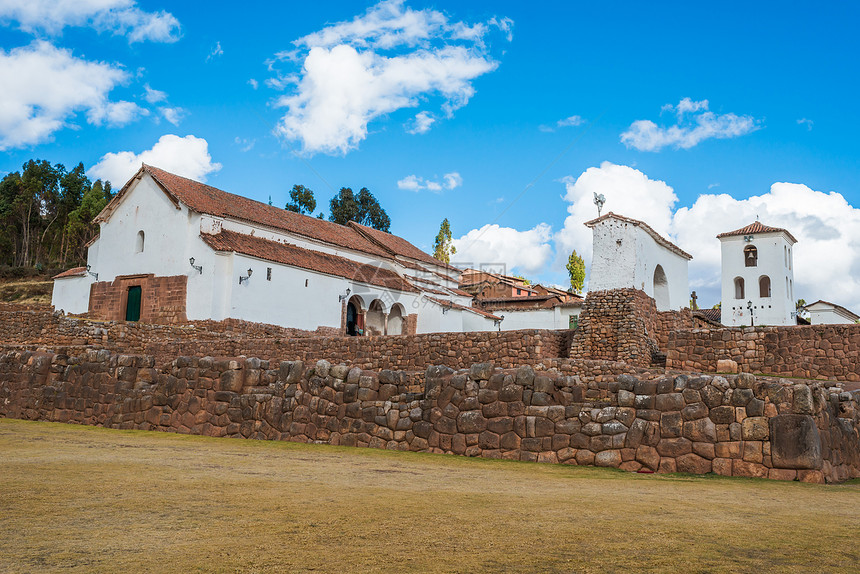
(132,308)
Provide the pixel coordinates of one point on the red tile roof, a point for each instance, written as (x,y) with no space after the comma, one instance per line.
(306,259)
(713,315)
(398,246)
(452,305)
(206,199)
(73,272)
(645,227)
(756,227)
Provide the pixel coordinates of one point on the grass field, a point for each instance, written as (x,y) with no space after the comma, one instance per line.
(84,499)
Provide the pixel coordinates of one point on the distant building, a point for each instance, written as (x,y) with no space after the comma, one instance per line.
(757,276)
(628,253)
(486,285)
(826,313)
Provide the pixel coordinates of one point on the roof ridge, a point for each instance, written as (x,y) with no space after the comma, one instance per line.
(647,228)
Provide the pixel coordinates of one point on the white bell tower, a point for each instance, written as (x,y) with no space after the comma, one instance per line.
(757,276)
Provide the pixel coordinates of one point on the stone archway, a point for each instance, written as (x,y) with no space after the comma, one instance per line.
(661,289)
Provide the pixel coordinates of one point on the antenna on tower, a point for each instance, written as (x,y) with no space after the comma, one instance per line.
(599,200)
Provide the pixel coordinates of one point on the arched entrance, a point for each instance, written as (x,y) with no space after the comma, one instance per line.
(376,318)
(395,320)
(661,289)
(354,317)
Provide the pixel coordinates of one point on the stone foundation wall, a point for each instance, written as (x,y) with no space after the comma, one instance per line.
(162,298)
(42,330)
(738,425)
(814,351)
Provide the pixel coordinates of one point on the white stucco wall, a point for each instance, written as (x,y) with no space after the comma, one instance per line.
(72,294)
(553,318)
(827,316)
(775,261)
(624,255)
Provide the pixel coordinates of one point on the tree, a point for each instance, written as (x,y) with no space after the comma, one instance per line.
(443,249)
(800,304)
(523,279)
(576,270)
(362,208)
(302,200)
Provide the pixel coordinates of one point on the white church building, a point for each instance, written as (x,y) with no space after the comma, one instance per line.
(171,249)
(629,253)
(757,276)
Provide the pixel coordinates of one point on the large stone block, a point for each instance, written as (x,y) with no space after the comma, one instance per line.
(795,442)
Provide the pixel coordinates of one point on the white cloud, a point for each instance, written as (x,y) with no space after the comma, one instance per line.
(116,114)
(188,157)
(571,121)
(807,122)
(245,144)
(253,83)
(172,115)
(414,183)
(452,180)
(826,257)
(421,123)
(50,87)
(121,17)
(215,52)
(154,96)
(350,77)
(492,245)
(695,124)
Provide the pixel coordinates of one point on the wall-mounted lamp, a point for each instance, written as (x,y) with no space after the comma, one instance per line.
(343,295)
(199,268)
(95,275)
(244,279)
(498,322)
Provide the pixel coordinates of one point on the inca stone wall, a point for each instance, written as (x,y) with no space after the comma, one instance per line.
(738,425)
(813,351)
(42,329)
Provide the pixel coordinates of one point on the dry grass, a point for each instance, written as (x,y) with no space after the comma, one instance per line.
(82,499)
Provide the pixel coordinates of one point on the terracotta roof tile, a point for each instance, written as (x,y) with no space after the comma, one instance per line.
(206,199)
(73,272)
(398,246)
(714,315)
(452,305)
(756,227)
(306,259)
(645,227)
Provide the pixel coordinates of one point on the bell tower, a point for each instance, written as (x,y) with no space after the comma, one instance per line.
(757,276)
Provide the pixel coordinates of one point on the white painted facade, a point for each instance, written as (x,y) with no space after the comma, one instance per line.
(626,253)
(824,313)
(146,232)
(557,317)
(746,299)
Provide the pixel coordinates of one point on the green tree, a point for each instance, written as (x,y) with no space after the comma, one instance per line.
(362,208)
(576,270)
(443,248)
(302,200)
(80,227)
(800,304)
(523,279)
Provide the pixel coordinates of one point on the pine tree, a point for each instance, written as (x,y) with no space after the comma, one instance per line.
(443,247)
(576,270)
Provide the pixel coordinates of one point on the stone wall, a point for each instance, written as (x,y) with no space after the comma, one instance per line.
(162,298)
(233,338)
(830,352)
(738,425)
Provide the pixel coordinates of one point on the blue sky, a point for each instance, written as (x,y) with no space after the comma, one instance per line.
(502,117)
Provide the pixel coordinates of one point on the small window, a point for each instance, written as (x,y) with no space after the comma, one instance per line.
(739,288)
(268,273)
(785,249)
(764,286)
(750,256)
(519,292)
(573,322)
(140,240)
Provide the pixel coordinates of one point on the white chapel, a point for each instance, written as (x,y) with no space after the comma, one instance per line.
(757,276)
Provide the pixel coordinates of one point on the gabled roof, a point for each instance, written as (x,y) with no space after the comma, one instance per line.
(646,228)
(306,259)
(398,246)
(73,272)
(756,227)
(206,199)
(835,307)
